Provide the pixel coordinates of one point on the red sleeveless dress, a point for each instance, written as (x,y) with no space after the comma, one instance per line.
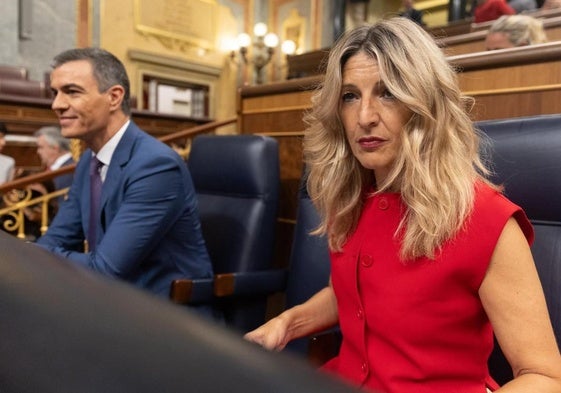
(417,326)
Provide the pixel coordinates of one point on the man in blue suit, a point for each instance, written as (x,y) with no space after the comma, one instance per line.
(145,227)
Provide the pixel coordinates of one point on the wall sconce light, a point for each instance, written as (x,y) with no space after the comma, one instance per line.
(264,45)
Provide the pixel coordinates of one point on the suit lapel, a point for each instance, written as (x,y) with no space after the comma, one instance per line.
(119,160)
(83,176)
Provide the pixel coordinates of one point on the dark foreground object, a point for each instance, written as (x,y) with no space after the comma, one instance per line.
(64,329)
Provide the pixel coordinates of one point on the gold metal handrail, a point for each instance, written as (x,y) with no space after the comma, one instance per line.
(14,215)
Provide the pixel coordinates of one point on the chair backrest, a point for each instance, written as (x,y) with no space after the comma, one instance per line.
(13,72)
(526,157)
(237,181)
(309,261)
(23,87)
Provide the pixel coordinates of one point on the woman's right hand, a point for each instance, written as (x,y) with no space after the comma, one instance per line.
(272,335)
(317,313)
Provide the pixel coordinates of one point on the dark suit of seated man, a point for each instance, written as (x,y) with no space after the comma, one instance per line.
(145,229)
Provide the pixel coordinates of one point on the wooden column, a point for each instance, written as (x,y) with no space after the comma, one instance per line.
(83,23)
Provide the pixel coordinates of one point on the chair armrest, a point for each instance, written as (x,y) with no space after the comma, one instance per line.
(323,346)
(192,291)
(250,283)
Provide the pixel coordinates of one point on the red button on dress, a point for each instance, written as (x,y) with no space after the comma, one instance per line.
(364,368)
(383,204)
(366,260)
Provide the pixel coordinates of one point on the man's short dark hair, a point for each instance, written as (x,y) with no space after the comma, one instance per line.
(107,69)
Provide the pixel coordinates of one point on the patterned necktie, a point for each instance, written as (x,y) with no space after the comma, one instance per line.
(95,196)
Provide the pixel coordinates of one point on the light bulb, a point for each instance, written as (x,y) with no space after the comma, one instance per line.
(260,29)
(244,40)
(271,40)
(229,44)
(288,47)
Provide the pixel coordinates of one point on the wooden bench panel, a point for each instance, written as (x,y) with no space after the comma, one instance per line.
(273,122)
(502,104)
(529,75)
(512,82)
(277,101)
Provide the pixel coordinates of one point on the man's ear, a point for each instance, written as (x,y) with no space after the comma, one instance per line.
(116,96)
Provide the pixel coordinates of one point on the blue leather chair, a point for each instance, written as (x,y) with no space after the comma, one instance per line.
(526,157)
(309,271)
(237,181)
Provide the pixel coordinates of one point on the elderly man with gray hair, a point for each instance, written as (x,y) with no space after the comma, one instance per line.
(54,151)
(510,31)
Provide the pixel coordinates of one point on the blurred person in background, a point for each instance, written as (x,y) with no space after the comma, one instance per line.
(523,5)
(510,31)
(486,10)
(7,163)
(54,151)
(411,12)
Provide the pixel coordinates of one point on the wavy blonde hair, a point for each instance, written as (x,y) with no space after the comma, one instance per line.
(439,162)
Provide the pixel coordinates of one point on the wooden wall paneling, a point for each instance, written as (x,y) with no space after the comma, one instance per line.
(307,64)
(463,43)
(277,102)
(272,122)
(499,104)
(553,29)
(25,155)
(514,82)
(24,115)
(541,74)
(451,28)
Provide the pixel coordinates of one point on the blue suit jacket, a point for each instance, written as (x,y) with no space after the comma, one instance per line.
(148,230)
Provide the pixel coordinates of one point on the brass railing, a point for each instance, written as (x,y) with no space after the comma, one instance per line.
(20,208)
(14,216)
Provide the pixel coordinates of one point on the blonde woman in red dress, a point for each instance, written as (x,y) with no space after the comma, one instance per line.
(428,258)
